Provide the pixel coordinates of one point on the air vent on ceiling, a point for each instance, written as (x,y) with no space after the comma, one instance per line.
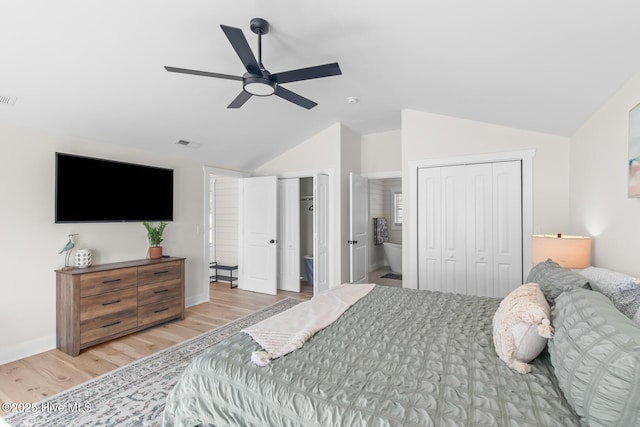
(189,144)
(8,100)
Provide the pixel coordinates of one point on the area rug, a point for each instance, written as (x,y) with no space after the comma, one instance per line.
(133,395)
(392,276)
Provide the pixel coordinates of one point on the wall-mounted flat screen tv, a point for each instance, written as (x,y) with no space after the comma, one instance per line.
(99,190)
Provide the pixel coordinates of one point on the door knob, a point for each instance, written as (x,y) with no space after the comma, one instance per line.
(273,241)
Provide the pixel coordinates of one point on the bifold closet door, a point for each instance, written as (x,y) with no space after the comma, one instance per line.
(441,229)
(507,226)
(470,228)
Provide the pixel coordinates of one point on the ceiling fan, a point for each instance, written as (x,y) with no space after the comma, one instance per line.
(257,80)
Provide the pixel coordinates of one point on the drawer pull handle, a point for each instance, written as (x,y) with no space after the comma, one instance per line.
(160,311)
(111,324)
(111,281)
(159,292)
(112,302)
(161,272)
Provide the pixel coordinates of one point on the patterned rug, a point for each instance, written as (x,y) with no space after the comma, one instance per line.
(133,395)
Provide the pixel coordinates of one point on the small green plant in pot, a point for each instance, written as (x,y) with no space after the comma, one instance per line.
(154,233)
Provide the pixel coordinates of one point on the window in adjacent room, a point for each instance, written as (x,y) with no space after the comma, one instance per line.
(396,207)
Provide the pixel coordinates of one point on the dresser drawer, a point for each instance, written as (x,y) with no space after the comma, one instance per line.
(154,292)
(100,327)
(159,272)
(108,303)
(157,311)
(106,281)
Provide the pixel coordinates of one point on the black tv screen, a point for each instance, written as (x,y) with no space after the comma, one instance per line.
(98,190)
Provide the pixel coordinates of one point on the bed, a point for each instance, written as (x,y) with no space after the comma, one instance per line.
(398,357)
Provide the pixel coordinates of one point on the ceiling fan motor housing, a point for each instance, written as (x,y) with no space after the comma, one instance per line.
(258,85)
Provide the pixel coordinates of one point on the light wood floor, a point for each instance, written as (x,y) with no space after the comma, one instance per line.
(37,377)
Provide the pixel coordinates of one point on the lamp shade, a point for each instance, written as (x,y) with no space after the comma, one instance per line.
(568,251)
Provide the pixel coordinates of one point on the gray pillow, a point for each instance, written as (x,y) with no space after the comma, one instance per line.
(595,354)
(554,280)
(622,289)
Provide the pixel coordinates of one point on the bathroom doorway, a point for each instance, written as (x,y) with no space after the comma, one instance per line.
(386,218)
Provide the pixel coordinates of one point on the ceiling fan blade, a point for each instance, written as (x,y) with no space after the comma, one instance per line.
(241,46)
(295,98)
(202,73)
(308,73)
(240,100)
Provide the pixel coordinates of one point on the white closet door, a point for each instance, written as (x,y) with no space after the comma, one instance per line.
(289,234)
(258,234)
(470,228)
(429,230)
(507,223)
(359,228)
(454,210)
(479,194)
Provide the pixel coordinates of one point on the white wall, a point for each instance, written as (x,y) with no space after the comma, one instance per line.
(31,240)
(381,152)
(599,169)
(428,136)
(226,220)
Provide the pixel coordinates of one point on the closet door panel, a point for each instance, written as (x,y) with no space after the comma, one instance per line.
(429,230)
(454,228)
(479,236)
(507,207)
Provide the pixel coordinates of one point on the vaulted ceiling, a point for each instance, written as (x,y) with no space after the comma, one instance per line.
(95,69)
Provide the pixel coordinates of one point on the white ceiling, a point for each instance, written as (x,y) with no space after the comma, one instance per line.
(94,69)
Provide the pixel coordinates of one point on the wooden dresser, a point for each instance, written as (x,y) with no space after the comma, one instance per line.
(103,302)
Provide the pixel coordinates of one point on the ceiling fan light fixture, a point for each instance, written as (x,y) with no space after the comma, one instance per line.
(259,86)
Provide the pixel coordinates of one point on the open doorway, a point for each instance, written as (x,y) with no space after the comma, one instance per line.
(386,218)
(221,225)
(269,233)
(306,234)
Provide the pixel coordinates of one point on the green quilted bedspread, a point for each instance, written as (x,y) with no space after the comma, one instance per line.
(398,357)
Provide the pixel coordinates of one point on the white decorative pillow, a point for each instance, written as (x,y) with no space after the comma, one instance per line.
(521,327)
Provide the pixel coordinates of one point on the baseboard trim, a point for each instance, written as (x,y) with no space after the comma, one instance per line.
(196,299)
(374,267)
(27,348)
(40,345)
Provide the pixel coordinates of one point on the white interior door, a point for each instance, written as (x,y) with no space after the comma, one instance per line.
(258,234)
(470,228)
(479,195)
(507,223)
(321,233)
(454,229)
(289,234)
(359,230)
(429,230)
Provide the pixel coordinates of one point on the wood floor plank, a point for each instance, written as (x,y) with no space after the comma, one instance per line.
(40,376)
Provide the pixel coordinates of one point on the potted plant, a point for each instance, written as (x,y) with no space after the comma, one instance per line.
(154,233)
